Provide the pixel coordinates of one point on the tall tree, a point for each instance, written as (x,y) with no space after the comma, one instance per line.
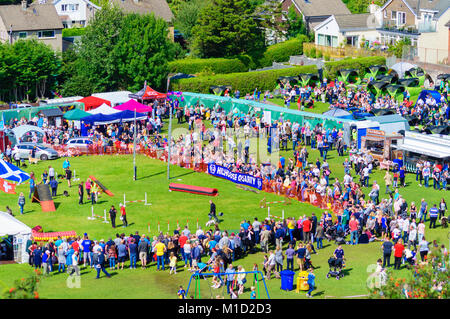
(187,16)
(227,28)
(294,23)
(142,52)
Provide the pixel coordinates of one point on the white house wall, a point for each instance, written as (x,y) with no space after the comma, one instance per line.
(433,46)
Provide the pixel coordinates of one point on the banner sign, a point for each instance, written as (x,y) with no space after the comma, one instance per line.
(244,179)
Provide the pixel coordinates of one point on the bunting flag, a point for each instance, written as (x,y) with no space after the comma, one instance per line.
(7,187)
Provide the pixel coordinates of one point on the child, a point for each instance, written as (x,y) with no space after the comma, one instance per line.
(173,263)
(216,279)
(252,293)
(181,293)
(395,180)
(233,294)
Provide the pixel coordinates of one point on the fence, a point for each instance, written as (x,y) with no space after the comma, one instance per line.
(345,51)
(269,186)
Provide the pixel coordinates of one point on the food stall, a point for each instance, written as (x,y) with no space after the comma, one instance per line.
(416,147)
(378,144)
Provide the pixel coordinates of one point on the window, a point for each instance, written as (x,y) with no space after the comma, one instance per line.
(393,15)
(22,35)
(46,34)
(64,7)
(73,7)
(401,18)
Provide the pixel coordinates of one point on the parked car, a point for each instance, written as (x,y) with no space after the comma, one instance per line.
(79,142)
(42,152)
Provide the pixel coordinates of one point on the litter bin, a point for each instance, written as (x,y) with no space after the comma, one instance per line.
(302,281)
(287,279)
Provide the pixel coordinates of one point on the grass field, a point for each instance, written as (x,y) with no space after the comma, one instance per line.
(115,172)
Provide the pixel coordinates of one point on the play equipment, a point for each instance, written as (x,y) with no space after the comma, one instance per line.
(199,275)
(269,216)
(43,196)
(193,189)
(136,201)
(94,216)
(103,188)
(37,236)
(75,178)
(263,203)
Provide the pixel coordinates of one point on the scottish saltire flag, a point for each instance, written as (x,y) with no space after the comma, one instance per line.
(12,173)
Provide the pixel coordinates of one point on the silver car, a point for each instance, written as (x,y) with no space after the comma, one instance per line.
(79,142)
(42,152)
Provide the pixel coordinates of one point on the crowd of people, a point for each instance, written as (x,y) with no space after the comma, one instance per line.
(397,225)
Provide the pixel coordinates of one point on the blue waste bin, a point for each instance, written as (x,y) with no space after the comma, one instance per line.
(287,279)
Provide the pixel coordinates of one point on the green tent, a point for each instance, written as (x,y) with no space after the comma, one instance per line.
(349,76)
(375,70)
(308,78)
(377,87)
(395,89)
(409,82)
(75,115)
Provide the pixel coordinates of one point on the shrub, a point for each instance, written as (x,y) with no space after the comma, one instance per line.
(319,54)
(331,68)
(327,57)
(281,52)
(312,54)
(218,65)
(244,82)
(73,32)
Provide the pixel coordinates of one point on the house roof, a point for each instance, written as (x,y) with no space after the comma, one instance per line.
(311,8)
(34,17)
(159,7)
(352,22)
(363,21)
(416,5)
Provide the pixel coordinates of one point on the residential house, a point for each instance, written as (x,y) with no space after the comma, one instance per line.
(315,12)
(347,29)
(409,18)
(23,21)
(434,41)
(159,7)
(75,13)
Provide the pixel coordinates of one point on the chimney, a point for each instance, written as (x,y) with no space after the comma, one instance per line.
(24,4)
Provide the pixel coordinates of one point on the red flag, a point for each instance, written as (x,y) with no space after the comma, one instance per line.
(7,187)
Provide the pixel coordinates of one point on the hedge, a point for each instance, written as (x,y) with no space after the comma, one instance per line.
(281,52)
(331,68)
(244,82)
(218,66)
(73,32)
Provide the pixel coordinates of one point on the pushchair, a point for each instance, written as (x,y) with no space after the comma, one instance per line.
(336,265)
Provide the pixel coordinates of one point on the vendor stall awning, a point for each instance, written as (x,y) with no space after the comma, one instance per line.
(11,226)
(132,105)
(92,102)
(419,147)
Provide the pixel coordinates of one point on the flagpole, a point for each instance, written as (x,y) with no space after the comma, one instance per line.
(170,131)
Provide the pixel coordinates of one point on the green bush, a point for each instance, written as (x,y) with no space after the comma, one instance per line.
(281,52)
(73,32)
(244,82)
(327,57)
(312,54)
(218,65)
(331,68)
(319,54)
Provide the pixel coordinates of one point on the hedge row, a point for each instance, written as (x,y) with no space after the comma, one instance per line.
(244,82)
(217,66)
(73,32)
(281,52)
(331,68)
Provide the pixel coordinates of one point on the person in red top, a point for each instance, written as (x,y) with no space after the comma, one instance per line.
(353,225)
(181,241)
(123,214)
(398,253)
(306,229)
(76,246)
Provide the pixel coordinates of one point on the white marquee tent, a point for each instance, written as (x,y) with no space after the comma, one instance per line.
(10,226)
(116,98)
(104,109)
